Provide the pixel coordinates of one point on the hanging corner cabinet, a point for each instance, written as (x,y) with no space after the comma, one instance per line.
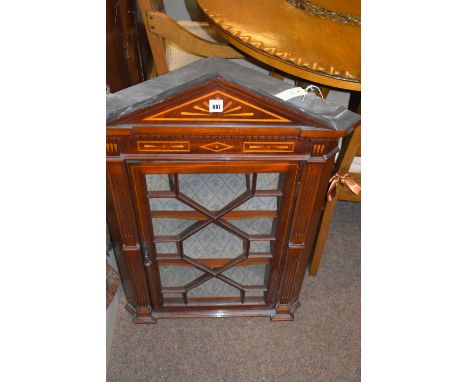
(213,212)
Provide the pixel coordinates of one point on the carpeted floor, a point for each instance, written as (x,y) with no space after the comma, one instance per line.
(322,344)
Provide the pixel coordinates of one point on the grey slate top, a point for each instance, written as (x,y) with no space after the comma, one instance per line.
(128,100)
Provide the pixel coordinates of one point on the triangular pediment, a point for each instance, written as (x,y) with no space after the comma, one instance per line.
(190,104)
(234,109)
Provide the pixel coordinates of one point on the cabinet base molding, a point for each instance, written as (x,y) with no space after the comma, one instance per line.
(141,314)
(285,312)
(215,313)
(144,315)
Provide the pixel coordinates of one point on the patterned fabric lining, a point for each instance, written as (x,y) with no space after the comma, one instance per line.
(213,242)
(177,276)
(213,191)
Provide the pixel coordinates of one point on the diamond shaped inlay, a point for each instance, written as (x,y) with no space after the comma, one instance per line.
(216,146)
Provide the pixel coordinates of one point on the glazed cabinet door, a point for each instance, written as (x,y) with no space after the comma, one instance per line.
(213,234)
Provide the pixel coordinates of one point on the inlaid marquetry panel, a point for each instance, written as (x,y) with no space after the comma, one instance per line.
(164,146)
(215,144)
(234,110)
(268,147)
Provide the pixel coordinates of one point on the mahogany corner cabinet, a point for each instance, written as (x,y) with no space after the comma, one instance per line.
(215,190)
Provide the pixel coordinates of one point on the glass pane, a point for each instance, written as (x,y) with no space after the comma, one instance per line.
(170,226)
(260,226)
(168,204)
(214,191)
(158,182)
(269,181)
(171,217)
(247,275)
(254,293)
(173,295)
(214,288)
(213,242)
(269,203)
(260,246)
(177,276)
(163,248)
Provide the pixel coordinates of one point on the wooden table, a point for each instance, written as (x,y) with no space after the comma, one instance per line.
(321,44)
